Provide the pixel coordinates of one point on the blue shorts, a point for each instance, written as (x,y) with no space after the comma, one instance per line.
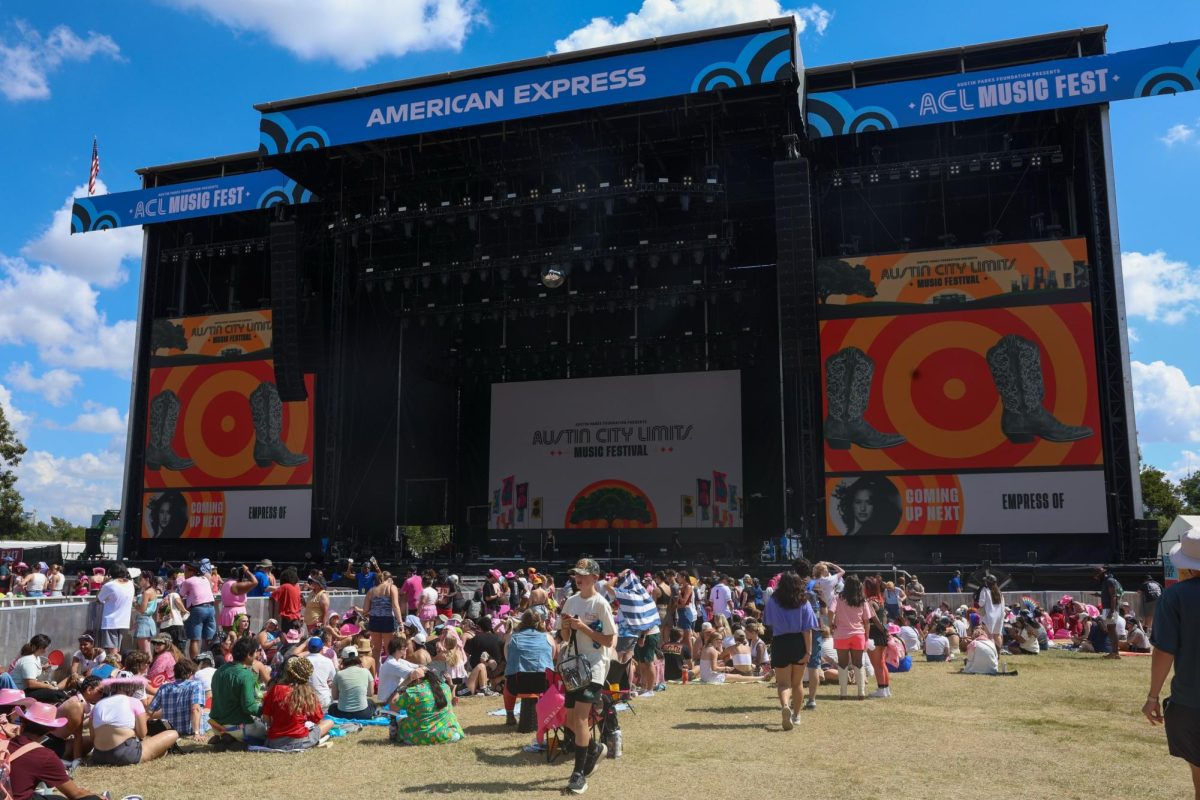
(201,624)
(814,658)
(685,618)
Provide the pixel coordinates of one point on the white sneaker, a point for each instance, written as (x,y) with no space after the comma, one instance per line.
(647,693)
(881,692)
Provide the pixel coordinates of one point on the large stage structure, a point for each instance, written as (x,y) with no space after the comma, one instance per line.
(660,299)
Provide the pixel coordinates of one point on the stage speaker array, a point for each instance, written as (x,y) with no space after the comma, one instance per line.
(285,311)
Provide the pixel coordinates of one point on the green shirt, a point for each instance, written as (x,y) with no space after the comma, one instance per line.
(235,698)
(353,687)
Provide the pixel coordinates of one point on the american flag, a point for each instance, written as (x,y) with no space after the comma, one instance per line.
(95,168)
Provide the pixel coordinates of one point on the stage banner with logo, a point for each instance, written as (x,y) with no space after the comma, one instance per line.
(620,452)
(186,341)
(223,426)
(1029,273)
(669,70)
(972,503)
(226,514)
(1146,72)
(226,195)
(960,392)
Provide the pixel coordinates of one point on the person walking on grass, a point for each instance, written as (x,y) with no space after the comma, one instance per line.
(1176,640)
(587,618)
(792,621)
(851,618)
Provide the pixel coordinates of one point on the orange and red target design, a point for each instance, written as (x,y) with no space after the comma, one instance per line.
(932,384)
(175,514)
(216,430)
(611,503)
(894,505)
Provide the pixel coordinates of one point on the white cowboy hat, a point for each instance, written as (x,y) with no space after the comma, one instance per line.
(1186,553)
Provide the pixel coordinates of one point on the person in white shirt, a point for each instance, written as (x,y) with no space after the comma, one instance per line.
(908,634)
(116,596)
(721,597)
(324,671)
(395,672)
(937,647)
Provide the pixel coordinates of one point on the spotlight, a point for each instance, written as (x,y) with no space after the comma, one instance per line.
(837,180)
(874,177)
(1035,161)
(955,169)
(914,173)
(553,276)
(995,164)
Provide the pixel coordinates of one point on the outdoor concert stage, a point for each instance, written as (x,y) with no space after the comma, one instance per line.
(675,296)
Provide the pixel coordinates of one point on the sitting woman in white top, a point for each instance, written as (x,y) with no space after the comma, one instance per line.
(982,656)
(937,645)
(711,669)
(119,726)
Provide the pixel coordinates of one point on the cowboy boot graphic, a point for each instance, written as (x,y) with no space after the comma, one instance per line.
(848,374)
(1016,365)
(266,412)
(164,416)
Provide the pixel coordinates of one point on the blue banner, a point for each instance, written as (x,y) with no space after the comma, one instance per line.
(682,69)
(226,195)
(1149,71)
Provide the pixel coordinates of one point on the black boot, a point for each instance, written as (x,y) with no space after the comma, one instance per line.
(164,416)
(848,374)
(266,411)
(1016,366)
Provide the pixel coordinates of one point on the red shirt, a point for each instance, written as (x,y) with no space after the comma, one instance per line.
(37,765)
(287,597)
(283,722)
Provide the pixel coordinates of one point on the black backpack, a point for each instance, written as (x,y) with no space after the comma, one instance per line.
(1152,590)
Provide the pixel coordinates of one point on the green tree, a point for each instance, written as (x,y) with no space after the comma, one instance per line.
(12,518)
(610,504)
(422,539)
(1189,491)
(835,276)
(1160,496)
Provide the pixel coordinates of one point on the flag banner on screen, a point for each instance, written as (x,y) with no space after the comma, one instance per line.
(522,496)
(185,341)
(733,499)
(506,491)
(703,492)
(227,514)
(954,279)
(535,508)
(616,452)
(496,501)
(720,488)
(976,503)
(1162,69)
(687,505)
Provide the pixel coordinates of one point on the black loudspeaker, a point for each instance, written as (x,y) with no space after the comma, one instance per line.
(285,311)
(935,557)
(91,543)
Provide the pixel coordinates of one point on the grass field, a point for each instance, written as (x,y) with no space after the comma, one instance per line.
(1068,726)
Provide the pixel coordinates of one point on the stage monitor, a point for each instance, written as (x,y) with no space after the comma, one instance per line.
(635,451)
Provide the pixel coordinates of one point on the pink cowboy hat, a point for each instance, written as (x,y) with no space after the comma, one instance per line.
(41,714)
(13,697)
(292,636)
(349,629)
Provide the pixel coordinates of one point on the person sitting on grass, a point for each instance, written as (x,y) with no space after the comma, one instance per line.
(30,763)
(235,700)
(70,742)
(429,714)
(292,710)
(677,659)
(181,703)
(937,644)
(119,726)
(760,657)
(352,688)
(982,656)
(711,669)
(1136,639)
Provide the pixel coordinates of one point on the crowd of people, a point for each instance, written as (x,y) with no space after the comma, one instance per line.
(176,656)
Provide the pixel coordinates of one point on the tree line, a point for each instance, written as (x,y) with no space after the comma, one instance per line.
(1165,499)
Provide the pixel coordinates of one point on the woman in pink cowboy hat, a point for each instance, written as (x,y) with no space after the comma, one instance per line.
(31,763)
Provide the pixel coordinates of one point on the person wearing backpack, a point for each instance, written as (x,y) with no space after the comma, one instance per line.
(30,763)
(1110,602)
(1150,590)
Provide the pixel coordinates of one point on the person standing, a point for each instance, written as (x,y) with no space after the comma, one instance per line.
(234,591)
(1176,640)
(792,621)
(1150,590)
(286,600)
(588,624)
(56,580)
(991,609)
(382,604)
(116,596)
(410,593)
(262,578)
(1110,602)
(721,597)
(954,586)
(200,626)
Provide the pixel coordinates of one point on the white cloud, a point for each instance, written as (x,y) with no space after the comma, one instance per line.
(54,385)
(1186,465)
(70,487)
(100,419)
(19,420)
(1159,288)
(664,17)
(97,257)
(27,61)
(1177,134)
(57,313)
(1167,403)
(353,33)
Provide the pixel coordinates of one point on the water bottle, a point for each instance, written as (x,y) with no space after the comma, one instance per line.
(615,751)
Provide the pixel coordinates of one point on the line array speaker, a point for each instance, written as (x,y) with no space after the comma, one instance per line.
(285,311)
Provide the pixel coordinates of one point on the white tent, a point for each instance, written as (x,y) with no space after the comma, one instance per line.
(1179,527)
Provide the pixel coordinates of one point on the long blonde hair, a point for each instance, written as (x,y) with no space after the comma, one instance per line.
(296,674)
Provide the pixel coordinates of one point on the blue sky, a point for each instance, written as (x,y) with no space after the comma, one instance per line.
(170,80)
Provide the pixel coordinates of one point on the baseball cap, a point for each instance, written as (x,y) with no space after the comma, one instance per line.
(266,562)
(349,651)
(204,656)
(316,643)
(585,566)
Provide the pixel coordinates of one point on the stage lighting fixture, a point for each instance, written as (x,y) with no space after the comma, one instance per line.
(955,169)
(1017,161)
(995,164)
(874,177)
(876,153)
(914,172)
(973,165)
(553,276)
(855,178)
(992,236)
(894,175)
(837,180)
(1035,161)
(935,170)
(1056,157)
